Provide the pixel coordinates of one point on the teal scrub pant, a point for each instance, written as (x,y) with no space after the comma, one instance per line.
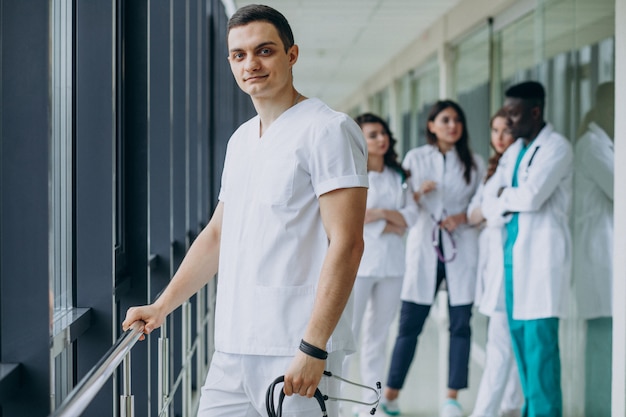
(536,347)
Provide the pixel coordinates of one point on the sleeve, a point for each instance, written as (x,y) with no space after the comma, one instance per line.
(476,201)
(338,156)
(409,163)
(409,210)
(481,169)
(223,193)
(598,160)
(490,204)
(552,162)
(375,229)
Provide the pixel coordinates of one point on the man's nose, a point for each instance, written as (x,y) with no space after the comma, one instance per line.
(251,63)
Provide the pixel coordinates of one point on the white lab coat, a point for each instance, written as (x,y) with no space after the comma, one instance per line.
(490,270)
(593,223)
(542,251)
(453,195)
(384,252)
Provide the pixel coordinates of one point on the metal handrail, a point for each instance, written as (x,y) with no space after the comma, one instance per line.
(84,392)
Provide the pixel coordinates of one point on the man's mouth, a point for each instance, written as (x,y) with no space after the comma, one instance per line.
(255,77)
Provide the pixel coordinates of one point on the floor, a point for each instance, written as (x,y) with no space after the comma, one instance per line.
(425,389)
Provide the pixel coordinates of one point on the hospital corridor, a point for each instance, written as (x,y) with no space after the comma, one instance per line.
(192,190)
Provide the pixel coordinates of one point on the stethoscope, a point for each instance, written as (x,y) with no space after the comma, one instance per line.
(273,411)
(436,235)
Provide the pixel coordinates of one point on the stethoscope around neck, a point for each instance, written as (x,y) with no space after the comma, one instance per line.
(277,411)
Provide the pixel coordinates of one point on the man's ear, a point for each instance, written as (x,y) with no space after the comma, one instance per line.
(292,54)
(536,113)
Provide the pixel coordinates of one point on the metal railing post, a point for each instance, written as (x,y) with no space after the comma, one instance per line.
(185,348)
(163,371)
(127,400)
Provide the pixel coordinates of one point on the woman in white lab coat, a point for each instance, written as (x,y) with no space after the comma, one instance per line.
(390,211)
(500,392)
(440,246)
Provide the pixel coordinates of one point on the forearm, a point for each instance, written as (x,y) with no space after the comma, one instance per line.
(335,284)
(391,216)
(392,228)
(476,216)
(197,268)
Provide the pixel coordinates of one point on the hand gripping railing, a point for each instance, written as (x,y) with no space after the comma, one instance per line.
(84,392)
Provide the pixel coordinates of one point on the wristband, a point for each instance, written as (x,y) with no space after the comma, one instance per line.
(313,351)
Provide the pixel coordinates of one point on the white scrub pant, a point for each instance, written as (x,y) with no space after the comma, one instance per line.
(236,385)
(500,387)
(376,301)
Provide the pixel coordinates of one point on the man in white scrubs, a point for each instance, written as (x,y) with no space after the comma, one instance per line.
(286,236)
(532,191)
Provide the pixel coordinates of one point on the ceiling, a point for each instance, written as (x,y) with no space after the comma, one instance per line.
(343,43)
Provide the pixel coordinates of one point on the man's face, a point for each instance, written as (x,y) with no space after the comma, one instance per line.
(520,117)
(258,60)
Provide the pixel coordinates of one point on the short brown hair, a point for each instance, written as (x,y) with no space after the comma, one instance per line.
(258,12)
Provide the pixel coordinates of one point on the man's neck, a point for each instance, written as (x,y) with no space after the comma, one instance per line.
(533,135)
(270,109)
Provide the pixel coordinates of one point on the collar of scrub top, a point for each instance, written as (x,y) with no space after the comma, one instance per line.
(435,236)
(273,411)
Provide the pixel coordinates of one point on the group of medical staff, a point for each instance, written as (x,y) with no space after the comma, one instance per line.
(496,237)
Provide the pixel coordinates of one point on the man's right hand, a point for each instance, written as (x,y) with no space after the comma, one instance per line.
(149,314)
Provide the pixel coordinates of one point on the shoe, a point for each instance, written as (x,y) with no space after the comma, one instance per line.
(512,413)
(451,408)
(390,407)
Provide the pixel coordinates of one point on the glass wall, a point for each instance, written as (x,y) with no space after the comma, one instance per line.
(568,45)
(61,194)
(471,86)
(425,92)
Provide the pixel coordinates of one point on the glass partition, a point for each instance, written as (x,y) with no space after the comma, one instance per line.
(471,86)
(60,191)
(568,46)
(425,92)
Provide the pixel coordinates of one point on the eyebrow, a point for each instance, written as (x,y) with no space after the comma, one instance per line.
(261,45)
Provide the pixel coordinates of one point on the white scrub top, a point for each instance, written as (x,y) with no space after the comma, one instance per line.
(490,270)
(542,252)
(384,252)
(273,241)
(453,195)
(593,223)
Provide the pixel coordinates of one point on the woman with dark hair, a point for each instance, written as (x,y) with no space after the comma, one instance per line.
(390,210)
(441,246)
(500,391)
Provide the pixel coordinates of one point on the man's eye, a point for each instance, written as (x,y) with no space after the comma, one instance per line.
(265,51)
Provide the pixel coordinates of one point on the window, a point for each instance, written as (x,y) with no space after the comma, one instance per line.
(61,202)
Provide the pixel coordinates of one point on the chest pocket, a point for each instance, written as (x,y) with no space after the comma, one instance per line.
(275,181)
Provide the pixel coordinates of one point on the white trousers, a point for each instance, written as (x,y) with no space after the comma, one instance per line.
(500,387)
(376,300)
(236,386)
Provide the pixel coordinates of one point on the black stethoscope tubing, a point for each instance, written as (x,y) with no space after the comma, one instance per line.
(276,411)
